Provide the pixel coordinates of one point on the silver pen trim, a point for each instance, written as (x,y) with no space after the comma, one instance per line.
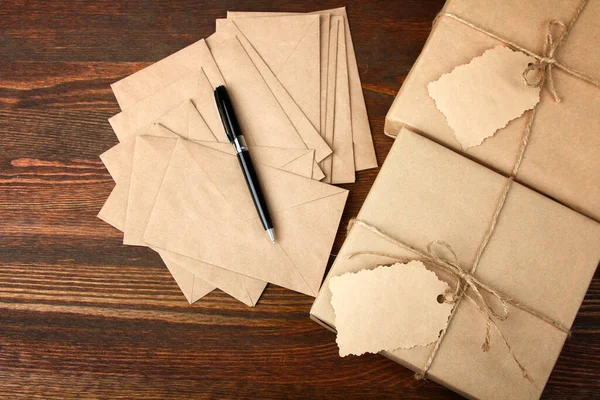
(271,234)
(239,144)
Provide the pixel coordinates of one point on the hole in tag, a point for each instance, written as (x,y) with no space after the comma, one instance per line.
(440,298)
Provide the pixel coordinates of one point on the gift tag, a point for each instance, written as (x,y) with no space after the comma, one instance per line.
(387,308)
(483,96)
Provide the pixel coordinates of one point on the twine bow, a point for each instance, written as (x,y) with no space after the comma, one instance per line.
(544,64)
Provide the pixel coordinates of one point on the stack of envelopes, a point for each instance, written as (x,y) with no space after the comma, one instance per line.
(293,80)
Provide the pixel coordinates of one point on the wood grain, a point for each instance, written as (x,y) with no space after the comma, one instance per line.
(81,315)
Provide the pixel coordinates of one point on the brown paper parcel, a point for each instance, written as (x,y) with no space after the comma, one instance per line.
(540,253)
(561,158)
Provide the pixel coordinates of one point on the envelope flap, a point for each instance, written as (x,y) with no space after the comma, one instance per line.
(197,128)
(276,38)
(261,116)
(176,120)
(117,165)
(300,74)
(186,121)
(204,102)
(310,135)
(241,287)
(157,129)
(128,123)
(114,216)
(297,161)
(195,220)
(151,157)
(318,219)
(282,190)
(192,287)
(303,165)
(153,78)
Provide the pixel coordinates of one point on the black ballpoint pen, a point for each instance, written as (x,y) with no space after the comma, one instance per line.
(235,137)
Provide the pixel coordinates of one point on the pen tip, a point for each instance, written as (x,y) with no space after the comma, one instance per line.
(271,234)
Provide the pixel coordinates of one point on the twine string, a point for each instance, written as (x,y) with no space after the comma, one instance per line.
(544,64)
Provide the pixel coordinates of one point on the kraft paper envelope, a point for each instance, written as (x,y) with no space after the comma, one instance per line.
(139,117)
(295,161)
(257,110)
(310,135)
(290,46)
(150,160)
(144,183)
(192,286)
(203,204)
(259,113)
(361,131)
(196,86)
(338,128)
(118,159)
(151,157)
(166,76)
(324,50)
(541,254)
(117,165)
(151,79)
(342,168)
(327,163)
(364,150)
(186,121)
(118,162)
(113,212)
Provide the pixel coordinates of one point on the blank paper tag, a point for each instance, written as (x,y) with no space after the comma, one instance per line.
(484,95)
(388,308)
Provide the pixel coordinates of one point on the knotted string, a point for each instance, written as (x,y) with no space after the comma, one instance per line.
(546,62)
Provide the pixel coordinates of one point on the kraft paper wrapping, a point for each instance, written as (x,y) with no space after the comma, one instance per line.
(541,253)
(561,158)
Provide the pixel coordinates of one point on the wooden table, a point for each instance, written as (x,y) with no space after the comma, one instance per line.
(81,315)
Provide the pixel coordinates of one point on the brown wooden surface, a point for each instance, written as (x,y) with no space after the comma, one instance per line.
(83,316)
